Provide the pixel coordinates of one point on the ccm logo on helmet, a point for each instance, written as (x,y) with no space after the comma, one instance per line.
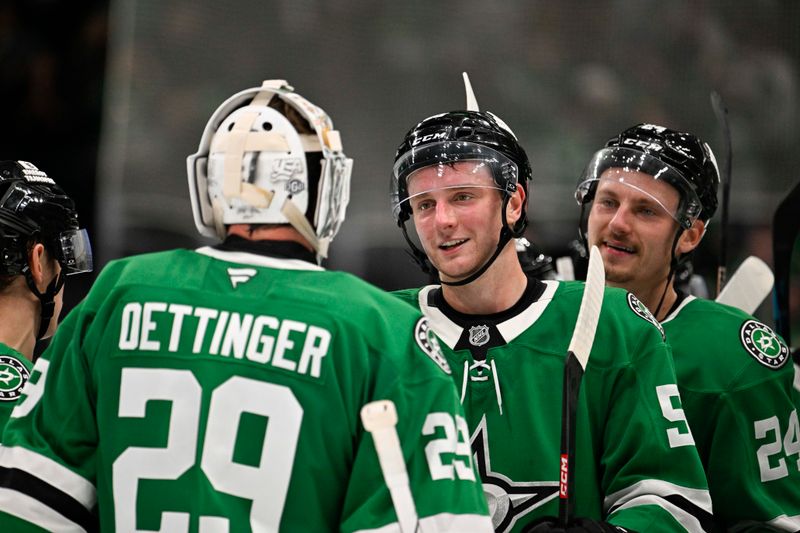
(429,137)
(644,144)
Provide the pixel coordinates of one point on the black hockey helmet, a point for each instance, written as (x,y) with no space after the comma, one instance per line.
(33,207)
(461,136)
(678,158)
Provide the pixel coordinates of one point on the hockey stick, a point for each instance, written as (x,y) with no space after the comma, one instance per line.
(577,356)
(380,418)
(748,286)
(721,113)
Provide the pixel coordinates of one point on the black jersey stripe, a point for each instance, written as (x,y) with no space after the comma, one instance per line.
(705,518)
(47,494)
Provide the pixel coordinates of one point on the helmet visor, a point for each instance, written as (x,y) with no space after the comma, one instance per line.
(74,251)
(503,170)
(628,160)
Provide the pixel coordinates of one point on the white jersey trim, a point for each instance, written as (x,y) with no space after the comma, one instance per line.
(50,472)
(443,523)
(653,491)
(517,325)
(789,523)
(449,332)
(258,260)
(32,510)
(686,301)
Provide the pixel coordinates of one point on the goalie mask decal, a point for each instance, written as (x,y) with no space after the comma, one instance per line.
(642,311)
(13,375)
(430,344)
(763,344)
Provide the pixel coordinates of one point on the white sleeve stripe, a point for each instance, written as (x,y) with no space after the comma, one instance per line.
(687,520)
(50,472)
(17,504)
(660,489)
(789,523)
(665,495)
(443,523)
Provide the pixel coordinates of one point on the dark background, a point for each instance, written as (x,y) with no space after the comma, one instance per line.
(110,97)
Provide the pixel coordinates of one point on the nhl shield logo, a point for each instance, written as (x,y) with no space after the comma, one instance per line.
(763,344)
(478,335)
(13,376)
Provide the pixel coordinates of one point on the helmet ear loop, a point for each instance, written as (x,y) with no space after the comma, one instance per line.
(46,299)
(583,218)
(419,257)
(673,266)
(519,226)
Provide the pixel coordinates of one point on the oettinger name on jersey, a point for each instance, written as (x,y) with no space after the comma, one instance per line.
(13,376)
(288,344)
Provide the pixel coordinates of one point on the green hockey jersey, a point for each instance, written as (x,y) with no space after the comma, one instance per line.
(15,370)
(735,377)
(636,465)
(219,391)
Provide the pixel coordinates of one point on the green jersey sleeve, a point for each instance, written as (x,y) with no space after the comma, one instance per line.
(228,399)
(736,380)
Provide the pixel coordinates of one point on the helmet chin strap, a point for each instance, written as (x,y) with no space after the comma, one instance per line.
(46,299)
(673,264)
(505,237)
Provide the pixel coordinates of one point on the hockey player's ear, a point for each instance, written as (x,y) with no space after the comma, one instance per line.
(691,238)
(515,206)
(37,260)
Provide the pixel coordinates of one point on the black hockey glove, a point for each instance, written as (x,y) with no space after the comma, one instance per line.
(550,524)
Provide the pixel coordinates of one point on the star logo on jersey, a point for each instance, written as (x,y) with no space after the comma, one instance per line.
(642,311)
(763,344)
(508,500)
(478,335)
(241,275)
(13,376)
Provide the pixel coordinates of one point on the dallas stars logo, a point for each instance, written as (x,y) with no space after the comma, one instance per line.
(761,342)
(642,311)
(508,500)
(13,376)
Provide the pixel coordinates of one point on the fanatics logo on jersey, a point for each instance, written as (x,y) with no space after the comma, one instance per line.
(430,344)
(478,335)
(13,376)
(763,344)
(642,311)
(241,275)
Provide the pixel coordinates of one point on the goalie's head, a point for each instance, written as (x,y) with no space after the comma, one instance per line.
(34,209)
(269,156)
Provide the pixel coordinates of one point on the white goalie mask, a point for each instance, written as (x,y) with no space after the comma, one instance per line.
(253,167)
